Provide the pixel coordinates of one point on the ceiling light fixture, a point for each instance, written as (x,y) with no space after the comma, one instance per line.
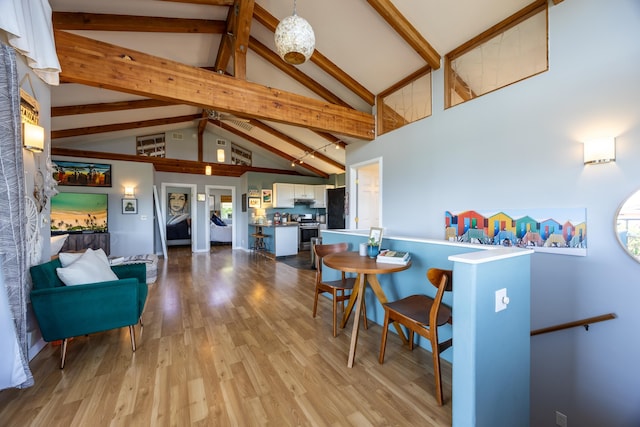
(312,154)
(294,39)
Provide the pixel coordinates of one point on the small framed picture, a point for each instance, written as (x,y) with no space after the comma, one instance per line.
(266,198)
(375,236)
(129,206)
(254,202)
(202,197)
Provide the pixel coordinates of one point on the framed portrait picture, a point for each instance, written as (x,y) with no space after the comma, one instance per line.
(254,202)
(81,173)
(129,206)
(266,198)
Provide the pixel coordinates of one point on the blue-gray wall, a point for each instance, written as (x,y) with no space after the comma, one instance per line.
(520,147)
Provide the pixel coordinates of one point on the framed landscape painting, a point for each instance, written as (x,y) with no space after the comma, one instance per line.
(81,173)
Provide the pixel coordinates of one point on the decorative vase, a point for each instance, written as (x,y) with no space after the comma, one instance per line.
(372,251)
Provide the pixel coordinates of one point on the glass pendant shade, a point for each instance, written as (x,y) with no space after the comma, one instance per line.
(295,40)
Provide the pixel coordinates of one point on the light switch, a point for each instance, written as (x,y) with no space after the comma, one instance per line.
(502,300)
(143,217)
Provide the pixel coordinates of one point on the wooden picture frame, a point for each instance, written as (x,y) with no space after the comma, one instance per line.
(129,206)
(375,233)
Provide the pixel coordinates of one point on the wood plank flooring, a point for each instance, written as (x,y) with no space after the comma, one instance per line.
(229,341)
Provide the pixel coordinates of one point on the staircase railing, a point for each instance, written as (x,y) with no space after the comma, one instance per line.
(584,322)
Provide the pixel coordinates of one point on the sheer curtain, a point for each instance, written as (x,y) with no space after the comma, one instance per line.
(13,223)
(29,30)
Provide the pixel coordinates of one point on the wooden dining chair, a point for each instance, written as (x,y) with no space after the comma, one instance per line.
(337,288)
(422,314)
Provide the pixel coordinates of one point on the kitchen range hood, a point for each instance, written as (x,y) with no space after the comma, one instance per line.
(304,201)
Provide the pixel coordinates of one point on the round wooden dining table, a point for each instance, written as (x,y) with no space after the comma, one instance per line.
(367,270)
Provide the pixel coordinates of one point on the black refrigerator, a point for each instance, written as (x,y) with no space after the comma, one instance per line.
(335,208)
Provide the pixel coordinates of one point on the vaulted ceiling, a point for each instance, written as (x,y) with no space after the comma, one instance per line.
(141,67)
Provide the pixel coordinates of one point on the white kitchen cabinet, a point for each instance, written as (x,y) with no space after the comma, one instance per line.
(286,240)
(320,197)
(304,191)
(283,195)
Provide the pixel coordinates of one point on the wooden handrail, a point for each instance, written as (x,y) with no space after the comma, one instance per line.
(584,322)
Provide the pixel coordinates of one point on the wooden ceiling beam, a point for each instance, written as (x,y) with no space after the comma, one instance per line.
(149,24)
(230,44)
(105,107)
(295,143)
(202,125)
(243,17)
(267,147)
(173,165)
(235,40)
(403,27)
(206,2)
(104,65)
(270,22)
(91,130)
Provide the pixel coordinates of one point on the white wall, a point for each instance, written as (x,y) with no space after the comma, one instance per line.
(519,148)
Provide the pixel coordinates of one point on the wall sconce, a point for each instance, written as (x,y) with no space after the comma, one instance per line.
(33,137)
(220,154)
(602,150)
(129,192)
(207,170)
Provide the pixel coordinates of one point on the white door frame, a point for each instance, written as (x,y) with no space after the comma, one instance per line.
(353,190)
(207,233)
(193,206)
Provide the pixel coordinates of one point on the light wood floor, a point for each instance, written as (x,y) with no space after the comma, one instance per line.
(229,341)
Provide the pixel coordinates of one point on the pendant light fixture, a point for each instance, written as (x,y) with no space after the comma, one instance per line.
(294,39)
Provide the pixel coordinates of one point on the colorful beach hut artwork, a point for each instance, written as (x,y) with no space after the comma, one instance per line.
(560,231)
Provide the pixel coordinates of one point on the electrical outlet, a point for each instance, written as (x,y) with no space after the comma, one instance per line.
(561,419)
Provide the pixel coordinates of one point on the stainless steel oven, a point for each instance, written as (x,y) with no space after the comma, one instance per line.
(307,230)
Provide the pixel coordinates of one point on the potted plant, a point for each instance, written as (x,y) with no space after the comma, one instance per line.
(373,247)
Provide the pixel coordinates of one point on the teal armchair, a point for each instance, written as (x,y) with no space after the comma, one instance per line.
(63,311)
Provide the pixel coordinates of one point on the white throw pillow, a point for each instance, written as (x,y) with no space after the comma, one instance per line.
(88,268)
(68,258)
(57,242)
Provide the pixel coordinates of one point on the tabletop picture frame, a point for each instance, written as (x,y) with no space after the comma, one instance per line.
(375,235)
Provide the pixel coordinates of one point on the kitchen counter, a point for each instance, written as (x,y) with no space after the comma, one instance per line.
(280,239)
(284,224)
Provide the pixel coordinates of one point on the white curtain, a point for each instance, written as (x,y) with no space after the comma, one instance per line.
(29,30)
(13,224)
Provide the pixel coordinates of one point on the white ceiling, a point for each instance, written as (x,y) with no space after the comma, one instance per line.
(349,33)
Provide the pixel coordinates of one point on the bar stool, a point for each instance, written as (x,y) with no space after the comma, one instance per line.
(259,245)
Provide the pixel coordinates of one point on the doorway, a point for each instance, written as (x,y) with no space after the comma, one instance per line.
(366,194)
(221,199)
(180,214)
